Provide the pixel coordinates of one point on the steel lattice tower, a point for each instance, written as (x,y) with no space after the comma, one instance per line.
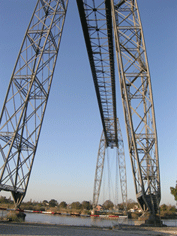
(120,156)
(137,100)
(26,99)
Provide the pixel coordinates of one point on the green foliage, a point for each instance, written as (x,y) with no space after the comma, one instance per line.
(163,207)
(76,205)
(16,216)
(134,215)
(131,204)
(86,205)
(5,200)
(63,204)
(36,206)
(53,203)
(174,192)
(45,202)
(168,211)
(120,206)
(172,209)
(108,205)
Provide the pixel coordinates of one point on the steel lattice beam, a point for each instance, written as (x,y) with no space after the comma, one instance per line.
(122,166)
(136,91)
(97,28)
(25,102)
(99,170)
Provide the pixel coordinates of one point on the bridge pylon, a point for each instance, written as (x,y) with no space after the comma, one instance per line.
(138,106)
(120,156)
(27,95)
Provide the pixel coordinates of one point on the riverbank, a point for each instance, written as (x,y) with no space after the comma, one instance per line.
(8,228)
(80,221)
(133,216)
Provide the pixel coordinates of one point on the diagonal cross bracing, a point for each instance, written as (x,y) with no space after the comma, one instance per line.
(96,22)
(137,102)
(25,103)
(120,156)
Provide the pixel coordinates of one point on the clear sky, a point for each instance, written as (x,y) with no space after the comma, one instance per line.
(65,161)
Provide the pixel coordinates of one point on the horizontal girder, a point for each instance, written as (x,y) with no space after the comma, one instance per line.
(97,28)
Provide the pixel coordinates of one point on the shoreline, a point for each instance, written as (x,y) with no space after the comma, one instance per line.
(126,229)
(78,215)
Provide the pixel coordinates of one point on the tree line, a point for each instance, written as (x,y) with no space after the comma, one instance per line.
(53,203)
(84,205)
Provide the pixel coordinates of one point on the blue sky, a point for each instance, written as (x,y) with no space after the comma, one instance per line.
(65,161)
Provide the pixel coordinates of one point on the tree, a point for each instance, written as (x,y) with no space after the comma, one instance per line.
(76,205)
(45,202)
(5,200)
(120,206)
(163,207)
(53,203)
(108,205)
(63,204)
(86,205)
(131,204)
(174,192)
(172,209)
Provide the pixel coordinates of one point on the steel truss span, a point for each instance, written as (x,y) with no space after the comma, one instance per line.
(25,102)
(97,28)
(120,156)
(136,91)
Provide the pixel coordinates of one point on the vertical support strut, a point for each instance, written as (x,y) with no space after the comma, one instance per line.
(27,95)
(99,170)
(122,166)
(137,100)
(120,155)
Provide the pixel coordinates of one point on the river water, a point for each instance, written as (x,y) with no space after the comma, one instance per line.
(83,221)
(80,221)
(72,220)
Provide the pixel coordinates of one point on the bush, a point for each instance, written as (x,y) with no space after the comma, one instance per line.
(134,215)
(16,216)
(163,207)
